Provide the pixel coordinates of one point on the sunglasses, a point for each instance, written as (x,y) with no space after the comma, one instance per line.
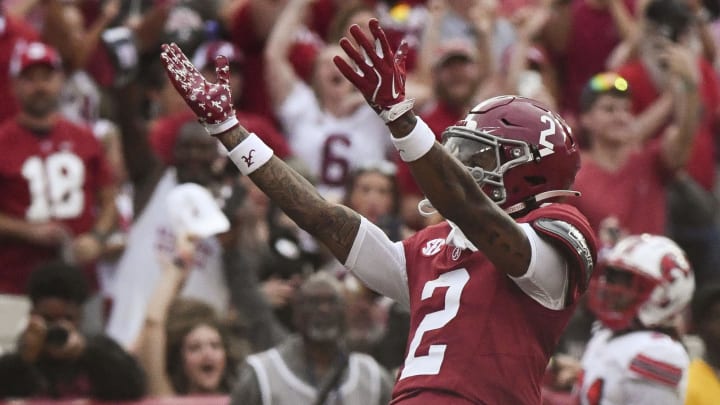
(603,82)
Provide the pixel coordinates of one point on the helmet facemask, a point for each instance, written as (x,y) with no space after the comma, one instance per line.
(487,157)
(617,295)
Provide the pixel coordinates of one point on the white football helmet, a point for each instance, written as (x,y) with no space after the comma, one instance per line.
(644,278)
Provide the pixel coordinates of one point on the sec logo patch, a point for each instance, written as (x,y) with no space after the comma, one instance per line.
(433,247)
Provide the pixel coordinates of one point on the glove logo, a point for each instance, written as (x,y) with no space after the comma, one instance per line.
(395,93)
(249,158)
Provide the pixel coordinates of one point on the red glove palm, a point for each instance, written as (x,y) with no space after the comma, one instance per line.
(380,74)
(211,102)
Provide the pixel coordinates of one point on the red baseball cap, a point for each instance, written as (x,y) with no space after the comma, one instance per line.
(34,53)
(208,51)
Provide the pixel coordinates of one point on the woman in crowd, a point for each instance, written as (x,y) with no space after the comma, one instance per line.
(183,346)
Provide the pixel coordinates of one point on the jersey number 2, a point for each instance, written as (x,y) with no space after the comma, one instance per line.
(430,364)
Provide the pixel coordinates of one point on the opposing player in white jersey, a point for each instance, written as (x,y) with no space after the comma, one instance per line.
(636,356)
(328,125)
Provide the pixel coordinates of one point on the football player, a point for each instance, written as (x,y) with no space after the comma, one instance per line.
(491,289)
(637,357)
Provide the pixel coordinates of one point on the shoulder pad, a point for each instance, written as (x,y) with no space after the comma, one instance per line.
(570,237)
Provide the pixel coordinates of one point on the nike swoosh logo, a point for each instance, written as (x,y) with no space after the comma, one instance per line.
(395,93)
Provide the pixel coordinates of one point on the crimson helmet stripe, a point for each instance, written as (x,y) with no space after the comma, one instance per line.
(656,370)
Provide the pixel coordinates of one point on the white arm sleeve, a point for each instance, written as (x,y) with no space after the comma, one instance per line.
(379,263)
(546,280)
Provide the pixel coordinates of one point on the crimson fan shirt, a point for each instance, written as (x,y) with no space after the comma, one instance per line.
(43,178)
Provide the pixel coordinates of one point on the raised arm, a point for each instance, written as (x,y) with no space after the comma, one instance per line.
(456,196)
(444,180)
(677,140)
(333,224)
(277,64)
(151,345)
(143,166)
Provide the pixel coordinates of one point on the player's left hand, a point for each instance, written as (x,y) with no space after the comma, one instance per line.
(211,102)
(380,74)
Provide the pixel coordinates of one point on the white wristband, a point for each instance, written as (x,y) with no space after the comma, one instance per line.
(250,154)
(417,143)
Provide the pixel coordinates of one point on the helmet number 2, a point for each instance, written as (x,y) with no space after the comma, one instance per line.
(547,147)
(430,364)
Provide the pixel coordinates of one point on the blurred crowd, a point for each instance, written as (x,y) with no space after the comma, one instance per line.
(136,261)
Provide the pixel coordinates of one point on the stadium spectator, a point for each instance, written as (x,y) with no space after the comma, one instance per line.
(155,229)
(620,174)
(54,359)
(313,366)
(183,346)
(328,125)
(59,190)
(668,24)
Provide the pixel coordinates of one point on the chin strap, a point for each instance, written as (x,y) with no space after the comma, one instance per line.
(427,210)
(541,197)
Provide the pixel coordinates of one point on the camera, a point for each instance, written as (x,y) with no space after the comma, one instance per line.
(670,32)
(56,336)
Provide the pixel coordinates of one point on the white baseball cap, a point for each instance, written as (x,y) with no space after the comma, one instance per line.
(194,212)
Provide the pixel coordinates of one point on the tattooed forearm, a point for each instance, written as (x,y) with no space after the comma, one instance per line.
(455,194)
(333,224)
(233,137)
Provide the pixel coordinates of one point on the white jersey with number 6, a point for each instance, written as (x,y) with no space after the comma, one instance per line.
(332,146)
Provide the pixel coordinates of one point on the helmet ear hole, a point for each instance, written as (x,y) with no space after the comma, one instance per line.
(536,180)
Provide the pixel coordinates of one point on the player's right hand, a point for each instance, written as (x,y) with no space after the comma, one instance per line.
(211,102)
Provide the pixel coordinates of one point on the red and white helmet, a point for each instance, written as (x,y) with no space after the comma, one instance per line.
(644,278)
(517,149)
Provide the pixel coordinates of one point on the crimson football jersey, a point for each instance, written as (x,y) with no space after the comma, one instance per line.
(46,177)
(474,334)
